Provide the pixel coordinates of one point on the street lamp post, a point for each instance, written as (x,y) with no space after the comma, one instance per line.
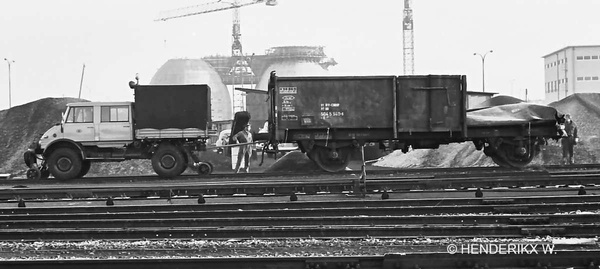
(483,66)
(9,86)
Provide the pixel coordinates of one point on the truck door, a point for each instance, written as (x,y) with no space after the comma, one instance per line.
(79,125)
(115,123)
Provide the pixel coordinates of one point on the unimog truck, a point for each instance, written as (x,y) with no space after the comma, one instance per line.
(167,124)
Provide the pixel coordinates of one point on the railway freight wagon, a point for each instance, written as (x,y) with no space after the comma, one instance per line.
(331,117)
(166,124)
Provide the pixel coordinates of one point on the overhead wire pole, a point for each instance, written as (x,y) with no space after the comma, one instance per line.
(408,39)
(81,83)
(9,83)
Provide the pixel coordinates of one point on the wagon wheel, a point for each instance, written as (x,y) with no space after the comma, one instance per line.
(329,162)
(515,156)
(34,173)
(500,161)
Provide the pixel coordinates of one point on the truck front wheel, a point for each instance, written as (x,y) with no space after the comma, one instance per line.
(168,161)
(65,163)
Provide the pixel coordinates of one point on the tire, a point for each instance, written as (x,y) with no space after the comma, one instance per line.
(45,173)
(168,161)
(65,163)
(34,173)
(186,162)
(85,168)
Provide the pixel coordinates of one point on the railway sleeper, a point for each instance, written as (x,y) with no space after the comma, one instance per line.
(497,201)
(511,209)
(544,231)
(529,220)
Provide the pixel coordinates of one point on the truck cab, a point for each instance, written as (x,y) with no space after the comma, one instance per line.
(101,124)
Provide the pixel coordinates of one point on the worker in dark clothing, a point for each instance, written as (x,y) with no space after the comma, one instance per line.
(569,140)
(243,136)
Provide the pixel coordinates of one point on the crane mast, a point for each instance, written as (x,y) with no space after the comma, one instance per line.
(408,39)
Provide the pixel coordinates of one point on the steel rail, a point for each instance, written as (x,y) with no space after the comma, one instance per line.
(261,187)
(145,221)
(400,205)
(379,172)
(395,231)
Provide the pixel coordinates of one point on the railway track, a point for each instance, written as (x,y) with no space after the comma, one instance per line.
(466,217)
(285,186)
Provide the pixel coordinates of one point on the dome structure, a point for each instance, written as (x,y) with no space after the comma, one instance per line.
(291,68)
(197,71)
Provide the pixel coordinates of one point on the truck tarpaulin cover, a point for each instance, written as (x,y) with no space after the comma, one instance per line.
(511,114)
(172,106)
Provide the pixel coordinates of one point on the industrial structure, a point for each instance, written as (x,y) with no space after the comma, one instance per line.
(238,67)
(408,39)
(572,69)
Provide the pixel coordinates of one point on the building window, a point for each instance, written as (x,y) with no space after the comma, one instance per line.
(586,57)
(115,114)
(588,78)
(594,57)
(594,78)
(579,57)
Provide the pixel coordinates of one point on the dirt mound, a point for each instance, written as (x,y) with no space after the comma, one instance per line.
(21,125)
(294,161)
(453,155)
(499,100)
(584,109)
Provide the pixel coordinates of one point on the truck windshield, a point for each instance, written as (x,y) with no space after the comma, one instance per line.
(80,114)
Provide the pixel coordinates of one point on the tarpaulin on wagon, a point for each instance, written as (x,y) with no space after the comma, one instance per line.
(511,114)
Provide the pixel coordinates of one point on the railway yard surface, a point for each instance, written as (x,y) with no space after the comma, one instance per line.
(446,208)
(390,218)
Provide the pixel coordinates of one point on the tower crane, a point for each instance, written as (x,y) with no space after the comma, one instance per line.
(408,39)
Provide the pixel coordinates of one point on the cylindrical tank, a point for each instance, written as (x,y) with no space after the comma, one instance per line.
(197,71)
(291,68)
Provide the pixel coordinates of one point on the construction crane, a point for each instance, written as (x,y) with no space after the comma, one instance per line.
(240,66)
(236,47)
(408,39)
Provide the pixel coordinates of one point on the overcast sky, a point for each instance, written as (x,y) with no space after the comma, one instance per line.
(50,40)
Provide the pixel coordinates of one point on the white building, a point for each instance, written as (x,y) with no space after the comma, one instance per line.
(573,69)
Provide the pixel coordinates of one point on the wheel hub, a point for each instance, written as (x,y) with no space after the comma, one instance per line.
(64,164)
(168,161)
(521,151)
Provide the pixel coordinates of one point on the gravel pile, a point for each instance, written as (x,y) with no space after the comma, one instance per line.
(21,125)
(294,161)
(499,100)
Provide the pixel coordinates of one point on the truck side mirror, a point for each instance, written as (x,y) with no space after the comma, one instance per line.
(62,119)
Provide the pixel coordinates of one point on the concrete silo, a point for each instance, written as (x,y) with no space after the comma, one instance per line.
(197,71)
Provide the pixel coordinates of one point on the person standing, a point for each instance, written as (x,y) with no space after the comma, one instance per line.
(569,140)
(243,136)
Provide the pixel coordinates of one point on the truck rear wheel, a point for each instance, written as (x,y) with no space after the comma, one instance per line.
(65,163)
(168,161)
